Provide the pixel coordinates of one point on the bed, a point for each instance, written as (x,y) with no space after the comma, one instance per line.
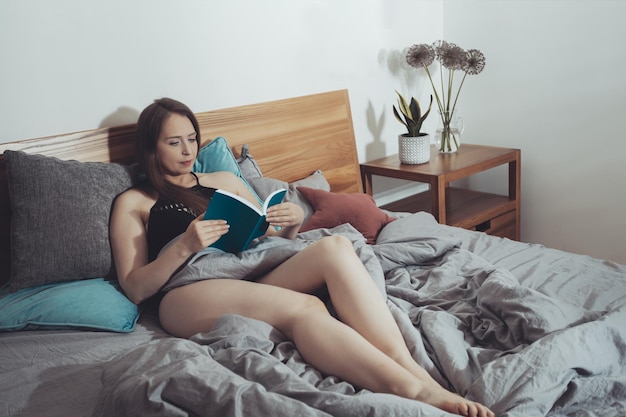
(527,330)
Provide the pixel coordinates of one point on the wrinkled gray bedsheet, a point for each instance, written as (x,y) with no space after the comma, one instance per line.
(526,330)
(56,373)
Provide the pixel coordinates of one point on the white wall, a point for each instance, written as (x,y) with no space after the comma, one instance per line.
(552,85)
(69,65)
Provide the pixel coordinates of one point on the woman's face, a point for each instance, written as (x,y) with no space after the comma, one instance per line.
(176,146)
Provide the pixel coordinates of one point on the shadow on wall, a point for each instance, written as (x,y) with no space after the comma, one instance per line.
(375,124)
(395,62)
(121,133)
(121,116)
(405,80)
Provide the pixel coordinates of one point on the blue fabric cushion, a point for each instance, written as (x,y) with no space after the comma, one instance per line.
(86,304)
(217,156)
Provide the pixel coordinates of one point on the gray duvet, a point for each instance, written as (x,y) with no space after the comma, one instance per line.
(526,330)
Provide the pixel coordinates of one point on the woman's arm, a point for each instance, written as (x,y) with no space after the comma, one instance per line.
(139,278)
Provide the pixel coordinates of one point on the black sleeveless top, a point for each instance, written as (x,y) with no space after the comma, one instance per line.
(169,219)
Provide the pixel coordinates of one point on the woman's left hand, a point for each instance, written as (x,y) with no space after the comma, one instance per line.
(285,215)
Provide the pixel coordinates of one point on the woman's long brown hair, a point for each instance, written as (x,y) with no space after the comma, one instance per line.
(148,130)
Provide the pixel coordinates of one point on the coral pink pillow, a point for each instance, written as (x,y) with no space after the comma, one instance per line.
(333,209)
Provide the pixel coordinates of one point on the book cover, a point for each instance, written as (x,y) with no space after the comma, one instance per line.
(246,221)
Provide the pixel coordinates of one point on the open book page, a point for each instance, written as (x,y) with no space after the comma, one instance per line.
(274,198)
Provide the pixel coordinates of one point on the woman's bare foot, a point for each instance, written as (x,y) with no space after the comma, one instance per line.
(453,403)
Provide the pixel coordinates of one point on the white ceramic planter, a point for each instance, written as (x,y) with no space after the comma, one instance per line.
(414,150)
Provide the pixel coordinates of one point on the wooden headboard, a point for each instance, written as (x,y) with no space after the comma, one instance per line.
(289,139)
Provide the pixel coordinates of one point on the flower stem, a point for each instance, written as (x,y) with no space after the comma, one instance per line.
(458,92)
(439,104)
(443,91)
(450,78)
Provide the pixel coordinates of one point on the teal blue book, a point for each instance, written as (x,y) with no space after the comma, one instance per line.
(247,222)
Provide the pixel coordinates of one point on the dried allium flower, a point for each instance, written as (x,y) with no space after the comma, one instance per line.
(450,55)
(475,62)
(420,55)
(439,47)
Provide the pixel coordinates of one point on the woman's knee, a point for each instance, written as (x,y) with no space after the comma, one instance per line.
(336,245)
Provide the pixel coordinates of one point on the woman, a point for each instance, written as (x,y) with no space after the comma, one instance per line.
(145,219)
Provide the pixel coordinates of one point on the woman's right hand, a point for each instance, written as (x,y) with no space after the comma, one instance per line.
(202,233)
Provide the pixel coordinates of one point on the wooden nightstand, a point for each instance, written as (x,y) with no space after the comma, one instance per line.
(491,213)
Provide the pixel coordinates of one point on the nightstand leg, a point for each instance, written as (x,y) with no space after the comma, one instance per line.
(367,183)
(515,188)
(438,199)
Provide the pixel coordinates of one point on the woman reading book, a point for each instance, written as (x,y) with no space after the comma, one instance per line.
(171,203)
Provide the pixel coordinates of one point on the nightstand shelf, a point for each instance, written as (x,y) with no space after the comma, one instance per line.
(491,213)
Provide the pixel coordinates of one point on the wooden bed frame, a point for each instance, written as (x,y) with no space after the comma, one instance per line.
(289,139)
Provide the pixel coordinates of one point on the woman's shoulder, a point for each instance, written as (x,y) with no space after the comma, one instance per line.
(136,197)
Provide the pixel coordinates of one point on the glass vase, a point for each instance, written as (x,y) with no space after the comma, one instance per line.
(448,134)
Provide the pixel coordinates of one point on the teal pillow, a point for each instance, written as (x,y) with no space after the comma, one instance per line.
(94,303)
(217,156)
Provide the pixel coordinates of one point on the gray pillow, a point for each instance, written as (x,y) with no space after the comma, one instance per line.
(264,186)
(248,165)
(60,217)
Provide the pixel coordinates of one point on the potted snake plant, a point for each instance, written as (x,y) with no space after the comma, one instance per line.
(413,146)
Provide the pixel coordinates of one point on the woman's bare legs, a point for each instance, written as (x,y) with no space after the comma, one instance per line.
(373,354)
(302,318)
(359,303)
